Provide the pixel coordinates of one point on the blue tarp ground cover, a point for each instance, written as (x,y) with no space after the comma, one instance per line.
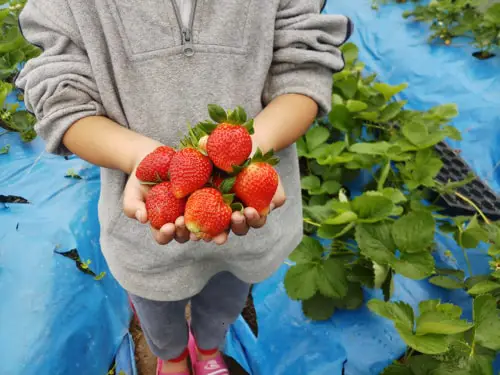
(54,319)
(357,341)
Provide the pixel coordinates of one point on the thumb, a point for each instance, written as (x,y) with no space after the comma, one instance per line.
(134,205)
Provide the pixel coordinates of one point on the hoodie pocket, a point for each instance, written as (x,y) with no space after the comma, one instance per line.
(145,26)
(223,23)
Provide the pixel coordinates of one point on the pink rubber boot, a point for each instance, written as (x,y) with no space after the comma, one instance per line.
(215,366)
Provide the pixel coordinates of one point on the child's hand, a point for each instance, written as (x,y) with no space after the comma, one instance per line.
(134,206)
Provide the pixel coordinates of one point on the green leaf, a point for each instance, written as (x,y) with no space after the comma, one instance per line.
(415,266)
(473,234)
(356,105)
(428,344)
(371,209)
(414,232)
(481,365)
(5,150)
(484,287)
(333,231)
(388,287)
(300,281)
(446,282)
(318,307)
(348,86)
(395,195)
(375,148)
(392,110)
(241,115)
(397,369)
(331,279)
(217,113)
(337,100)
(380,274)
(487,332)
(330,187)
(353,299)
(309,250)
(318,213)
(343,218)
(350,52)
(341,118)
(388,90)
(371,246)
(445,111)
(453,133)
(415,132)
(310,183)
(316,136)
(433,322)
(399,312)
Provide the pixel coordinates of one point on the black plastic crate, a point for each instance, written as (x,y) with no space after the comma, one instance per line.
(456,169)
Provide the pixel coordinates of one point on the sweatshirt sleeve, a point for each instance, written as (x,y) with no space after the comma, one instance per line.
(59,87)
(306,52)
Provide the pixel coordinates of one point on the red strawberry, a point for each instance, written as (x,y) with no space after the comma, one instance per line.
(257,183)
(162,206)
(154,167)
(208,213)
(189,171)
(229,145)
(217,180)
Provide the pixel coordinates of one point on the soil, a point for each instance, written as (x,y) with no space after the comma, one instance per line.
(146,361)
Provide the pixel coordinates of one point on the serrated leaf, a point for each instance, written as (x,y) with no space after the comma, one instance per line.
(392,110)
(380,274)
(341,118)
(473,235)
(427,344)
(316,136)
(217,113)
(453,133)
(399,312)
(330,187)
(318,213)
(483,287)
(487,331)
(310,183)
(300,281)
(371,209)
(395,195)
(309,250)
(434,322)
(388,90)
(372,247)
(446,282)
(415,132)
(415,266)
(356,105)
(318,307)
(350,52)
(375,148)
(414,232)
(445,111)
(343,218)
(331,279)
(348,86)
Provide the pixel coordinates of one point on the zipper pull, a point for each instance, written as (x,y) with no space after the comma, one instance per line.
(187,42)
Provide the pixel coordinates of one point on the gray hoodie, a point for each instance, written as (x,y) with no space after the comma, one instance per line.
(138,64)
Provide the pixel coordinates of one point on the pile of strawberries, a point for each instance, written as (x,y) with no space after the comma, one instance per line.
(209,176)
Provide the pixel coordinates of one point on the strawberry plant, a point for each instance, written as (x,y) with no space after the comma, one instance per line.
(14,52)
(477,20)
(361,239)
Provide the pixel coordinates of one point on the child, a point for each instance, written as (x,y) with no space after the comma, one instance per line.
(118,78)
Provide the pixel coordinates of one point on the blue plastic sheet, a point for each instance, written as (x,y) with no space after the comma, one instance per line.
(54,319)
(358,342)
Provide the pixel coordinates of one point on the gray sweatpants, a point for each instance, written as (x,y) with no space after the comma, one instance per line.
(213,310)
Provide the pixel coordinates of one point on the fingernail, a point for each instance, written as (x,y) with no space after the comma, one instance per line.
(272,207)
(138,215)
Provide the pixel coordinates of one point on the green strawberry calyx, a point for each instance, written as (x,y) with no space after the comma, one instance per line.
(258,157)
(219,115)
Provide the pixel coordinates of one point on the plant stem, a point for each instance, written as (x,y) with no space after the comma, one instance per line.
(464,251)
(384,175)
(408,354)
(309,221)
(467,200)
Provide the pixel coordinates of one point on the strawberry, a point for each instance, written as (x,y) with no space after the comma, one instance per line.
(208,213)
(229,142)
(257,182)
(162,206)
(189,171)
(229,145)
(154,167)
